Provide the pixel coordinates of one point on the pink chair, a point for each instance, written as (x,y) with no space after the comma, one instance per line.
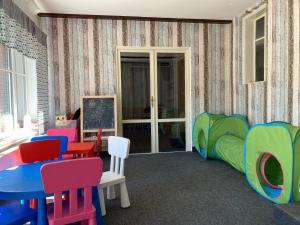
(71,175)
(71,133)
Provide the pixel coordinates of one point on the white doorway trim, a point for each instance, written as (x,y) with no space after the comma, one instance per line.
(188,91)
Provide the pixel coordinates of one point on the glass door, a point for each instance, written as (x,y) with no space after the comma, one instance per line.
(137,124)
(152,99)
(171,99)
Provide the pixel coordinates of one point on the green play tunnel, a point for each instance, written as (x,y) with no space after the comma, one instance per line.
(272,161)
(269,154)
(231,149)
(208,128)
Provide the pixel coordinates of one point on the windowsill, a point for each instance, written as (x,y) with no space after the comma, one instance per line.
(11,141)
(254,82)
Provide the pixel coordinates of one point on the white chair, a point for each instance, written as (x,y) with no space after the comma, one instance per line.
(118,148)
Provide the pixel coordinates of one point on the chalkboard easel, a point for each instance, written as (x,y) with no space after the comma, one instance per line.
(98,112)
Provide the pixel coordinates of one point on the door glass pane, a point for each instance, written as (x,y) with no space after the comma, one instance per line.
(6,114)
(135,76)
(171,136)
(171,85)
(139,136)
(260,60)
(260,28)
(21,100)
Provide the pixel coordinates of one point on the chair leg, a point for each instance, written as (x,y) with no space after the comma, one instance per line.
(125,203)
(25,203)
(33,203)
(92,221)
(102,200)
(84,222)
(111,193)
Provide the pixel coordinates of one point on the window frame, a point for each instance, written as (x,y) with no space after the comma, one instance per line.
(248,26)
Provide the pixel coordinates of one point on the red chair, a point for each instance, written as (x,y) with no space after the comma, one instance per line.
(71,133)
(39,151)
(11,159)
(99,142)
(71,175)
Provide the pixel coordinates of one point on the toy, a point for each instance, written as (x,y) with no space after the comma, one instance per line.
(272,161)
(269,154)
(209,128)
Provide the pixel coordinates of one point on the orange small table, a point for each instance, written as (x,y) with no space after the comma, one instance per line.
(85,148)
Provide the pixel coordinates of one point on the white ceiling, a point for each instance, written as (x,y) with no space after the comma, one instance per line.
(192,9)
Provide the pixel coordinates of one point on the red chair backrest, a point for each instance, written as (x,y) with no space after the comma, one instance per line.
(39,151)
(71,133)
(71,175)
(11,159)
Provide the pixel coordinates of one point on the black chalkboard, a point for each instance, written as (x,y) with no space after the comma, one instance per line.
(98,113)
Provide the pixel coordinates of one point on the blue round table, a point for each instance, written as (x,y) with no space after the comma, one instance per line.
(25,182)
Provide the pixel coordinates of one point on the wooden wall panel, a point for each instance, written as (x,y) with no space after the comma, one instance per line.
(278,97)
(81,55)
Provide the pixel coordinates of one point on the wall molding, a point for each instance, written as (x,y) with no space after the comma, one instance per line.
(111,17)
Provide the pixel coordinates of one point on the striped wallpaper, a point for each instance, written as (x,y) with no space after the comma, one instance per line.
(81,54)
(81,57)
(278,97)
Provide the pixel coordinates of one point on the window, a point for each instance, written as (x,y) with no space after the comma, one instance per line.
(18,97)
(254,46)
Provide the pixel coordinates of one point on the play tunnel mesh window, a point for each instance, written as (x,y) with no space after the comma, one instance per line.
(270,175)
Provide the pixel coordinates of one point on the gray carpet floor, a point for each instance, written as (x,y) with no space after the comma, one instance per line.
(182,188)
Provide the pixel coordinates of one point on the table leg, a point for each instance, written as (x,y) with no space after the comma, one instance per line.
(96,203)
(42,212)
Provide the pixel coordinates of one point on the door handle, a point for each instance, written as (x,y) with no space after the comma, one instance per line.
(152,101)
